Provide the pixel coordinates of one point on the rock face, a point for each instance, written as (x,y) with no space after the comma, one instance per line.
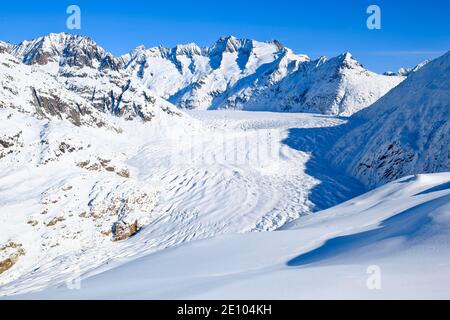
(10,144)
(122,230)
(405,132)
(339,86)
(9,255)
(233,73)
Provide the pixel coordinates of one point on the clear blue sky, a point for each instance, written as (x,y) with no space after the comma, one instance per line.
(411,31)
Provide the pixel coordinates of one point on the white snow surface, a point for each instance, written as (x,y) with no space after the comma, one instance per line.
(222,172)
(400,230)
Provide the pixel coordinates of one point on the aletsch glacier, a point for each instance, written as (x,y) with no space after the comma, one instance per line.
(87,142)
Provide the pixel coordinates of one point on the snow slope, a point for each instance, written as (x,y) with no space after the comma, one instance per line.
(405,132)
(64,187)
(400,230)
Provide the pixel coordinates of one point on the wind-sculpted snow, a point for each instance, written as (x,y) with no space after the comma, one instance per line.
(391,243)
(233,73)
(405,132)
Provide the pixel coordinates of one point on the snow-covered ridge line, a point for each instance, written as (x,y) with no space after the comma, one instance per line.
(407,71)
(405,132)
(62,83)
(399,230)
(233,73)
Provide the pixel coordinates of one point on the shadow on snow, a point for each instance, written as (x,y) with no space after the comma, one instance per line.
(334,186)
(407,225)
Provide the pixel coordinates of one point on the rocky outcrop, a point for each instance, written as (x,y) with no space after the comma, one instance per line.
(10,144)
(104,165)
(9,255)
(122,230)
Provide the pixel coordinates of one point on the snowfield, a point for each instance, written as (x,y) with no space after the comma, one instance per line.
(138,176)
(399,232)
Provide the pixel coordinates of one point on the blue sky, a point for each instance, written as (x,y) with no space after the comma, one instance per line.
(412,30)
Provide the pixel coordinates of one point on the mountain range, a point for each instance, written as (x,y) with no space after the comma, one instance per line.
(106,158)
(233,73)
(405,132)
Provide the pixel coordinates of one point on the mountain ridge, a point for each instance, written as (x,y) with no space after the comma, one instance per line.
(232,73)
(405,132)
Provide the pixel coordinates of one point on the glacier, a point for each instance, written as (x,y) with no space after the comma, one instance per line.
(240,170)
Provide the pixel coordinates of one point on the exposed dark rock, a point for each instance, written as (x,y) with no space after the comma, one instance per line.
(122,230)
(12,251)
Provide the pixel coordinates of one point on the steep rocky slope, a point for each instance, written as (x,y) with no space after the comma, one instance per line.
(405,132)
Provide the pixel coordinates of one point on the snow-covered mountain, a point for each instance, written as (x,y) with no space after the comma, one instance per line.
(233,73)
(79,66)
(34,91)
(391,243)
(405,132)
(405,72)
(65,49)
(97,163)
(259,76)
(193,77)
(68,126)
(338,86)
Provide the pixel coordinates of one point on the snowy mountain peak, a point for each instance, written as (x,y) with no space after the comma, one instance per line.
(347,60)
(405,72)
(231,74)
(230,44)
(190,50)
(346,56)
(405,132)
(63,49)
